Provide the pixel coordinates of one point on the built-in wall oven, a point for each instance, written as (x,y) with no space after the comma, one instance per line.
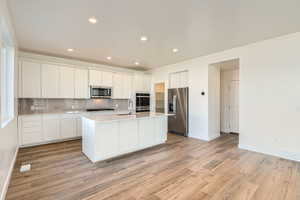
(97,92)
(142,101)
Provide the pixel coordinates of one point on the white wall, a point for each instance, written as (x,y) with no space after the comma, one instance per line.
(269,94)
(8,134)
(214,118)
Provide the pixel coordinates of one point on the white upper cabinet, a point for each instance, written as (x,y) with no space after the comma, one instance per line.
(30,80)
(127,86)
(184,79)
(174,80)
(117,86)
(107,79)
(138,83)
(142,83)
(50,81)
(147,83)
(95,77)
(45,80)
(66,83)
(178,79)
(101,78)
(81,84)
(122,86)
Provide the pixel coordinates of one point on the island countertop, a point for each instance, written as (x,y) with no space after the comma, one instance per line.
(112,135)
(118,117)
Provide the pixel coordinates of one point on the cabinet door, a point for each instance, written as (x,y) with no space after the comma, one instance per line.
(107,79)
(95,77)
(183,79)
(81,84)
(174,80)
(79,127)
(30,129)
(118,86)
(147,132)
(30,80)
(108,143)
(66,86)
(50,81)
(127,86)
(138,83)
(146,83)
(129,137)
(51,127)
(68,128)
(161,129)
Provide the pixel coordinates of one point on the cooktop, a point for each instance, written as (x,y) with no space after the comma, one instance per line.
(99,109)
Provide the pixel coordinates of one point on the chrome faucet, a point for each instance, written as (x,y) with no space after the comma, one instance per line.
(130,106)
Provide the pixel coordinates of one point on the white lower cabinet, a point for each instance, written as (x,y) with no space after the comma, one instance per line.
(68,126)
(30,129)
(44,128)
(109,145)
(104,140)
(79,127)
(51,127)
(147,132)
(129,137)
(161,129)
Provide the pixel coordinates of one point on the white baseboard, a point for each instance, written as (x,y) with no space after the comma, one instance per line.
(285,155)
(51,142)
(10,171)
(213,137)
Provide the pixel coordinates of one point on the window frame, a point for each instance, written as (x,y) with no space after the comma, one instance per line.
(7,77)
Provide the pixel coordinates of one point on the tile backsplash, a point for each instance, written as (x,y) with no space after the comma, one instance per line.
(28,106)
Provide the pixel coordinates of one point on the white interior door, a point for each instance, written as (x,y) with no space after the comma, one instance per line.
(234,106)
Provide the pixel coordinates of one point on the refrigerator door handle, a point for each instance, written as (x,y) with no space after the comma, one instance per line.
(174,103)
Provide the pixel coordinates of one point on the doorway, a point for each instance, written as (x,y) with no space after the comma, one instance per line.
(229,97)
(159,97)
(224,97)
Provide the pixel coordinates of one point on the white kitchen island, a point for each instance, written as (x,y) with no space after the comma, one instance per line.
(108,136)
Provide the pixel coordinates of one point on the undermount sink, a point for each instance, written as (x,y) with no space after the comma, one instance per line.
(72,112)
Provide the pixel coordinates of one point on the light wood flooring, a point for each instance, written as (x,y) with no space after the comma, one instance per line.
(184,168)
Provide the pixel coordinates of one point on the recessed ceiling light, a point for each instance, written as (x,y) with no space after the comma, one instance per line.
(175,50)
(144,38)
(136,63)
(93,20)
(70,50)
(108,58)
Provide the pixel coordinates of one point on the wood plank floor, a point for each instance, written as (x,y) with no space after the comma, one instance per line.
(183,168)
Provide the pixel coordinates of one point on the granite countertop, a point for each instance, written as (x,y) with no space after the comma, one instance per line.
(118,117)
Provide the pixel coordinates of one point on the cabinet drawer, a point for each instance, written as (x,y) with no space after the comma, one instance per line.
(31,124)
(31,138)
(31,118)
(51,116)
(69,116)
(32,130)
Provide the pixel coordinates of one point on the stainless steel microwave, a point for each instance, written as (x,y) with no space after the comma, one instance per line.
(97,92)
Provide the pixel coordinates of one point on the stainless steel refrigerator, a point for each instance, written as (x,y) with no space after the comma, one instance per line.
(178,105)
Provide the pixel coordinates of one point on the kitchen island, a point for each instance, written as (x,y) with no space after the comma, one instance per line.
(108,136)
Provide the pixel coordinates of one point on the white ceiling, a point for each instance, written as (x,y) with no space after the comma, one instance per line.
(195,27)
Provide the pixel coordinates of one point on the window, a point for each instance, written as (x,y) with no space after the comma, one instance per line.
(7,78)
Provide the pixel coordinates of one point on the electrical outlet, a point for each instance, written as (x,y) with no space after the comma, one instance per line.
(25,168)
